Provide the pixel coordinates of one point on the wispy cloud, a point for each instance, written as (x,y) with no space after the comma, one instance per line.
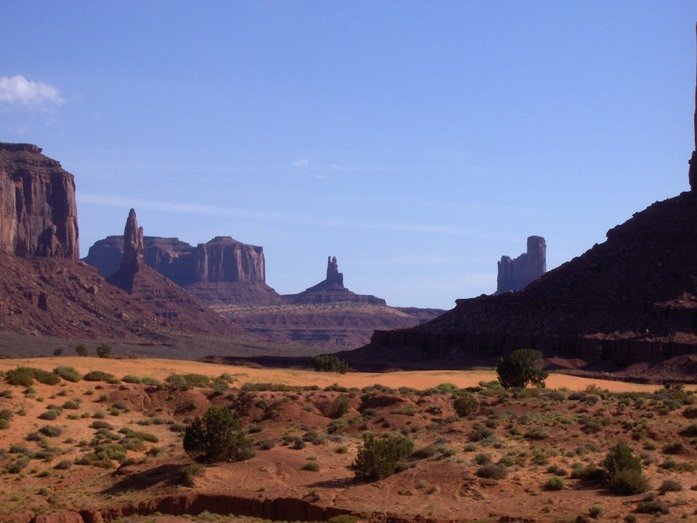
(269,216)
(17,90)
(305,162)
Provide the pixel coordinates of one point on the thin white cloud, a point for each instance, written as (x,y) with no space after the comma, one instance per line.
(305,162)
(17,90)
(269,216)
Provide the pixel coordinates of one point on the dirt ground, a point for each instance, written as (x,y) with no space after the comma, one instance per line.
(114,445)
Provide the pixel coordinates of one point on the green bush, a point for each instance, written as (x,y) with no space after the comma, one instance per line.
(329,363)
(103,351)
(217,436)
(81,350)
(623,471)
(555,483)
(98,375)
(492,471)
(51,431)
(465,404)
(68,374)
(670,485)
(188,381)
(339,407)
(129,378)
(381,456)
(595,511)
(521,368)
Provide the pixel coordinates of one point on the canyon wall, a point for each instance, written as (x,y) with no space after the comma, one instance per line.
(38,213)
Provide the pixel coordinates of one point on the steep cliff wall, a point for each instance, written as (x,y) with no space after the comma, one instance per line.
(221,259)
(515,275)
(38,213)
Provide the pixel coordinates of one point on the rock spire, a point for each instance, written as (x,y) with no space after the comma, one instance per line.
(334,277)
(132,244)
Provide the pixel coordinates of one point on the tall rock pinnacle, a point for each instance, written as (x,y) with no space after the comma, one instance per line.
(693,160)
(132,244)
(334,277)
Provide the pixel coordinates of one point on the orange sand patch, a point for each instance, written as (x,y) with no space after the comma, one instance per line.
(161,368)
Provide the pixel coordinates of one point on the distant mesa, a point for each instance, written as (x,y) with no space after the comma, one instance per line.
(220,271)
(331,290)
(515,275)
(38,213)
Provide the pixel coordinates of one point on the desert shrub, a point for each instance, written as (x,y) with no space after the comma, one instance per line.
(81,350)
(145,436)
(465,404)
(595,511)
(267,444)
(311,466)
(521,368)
(670,485)
(623,471)
(103,351)
(64,464)
(150,382)
(674,448)
(72,404)
(4,424)
(339,407)
(100,424)
(51,431)
(480,433)
(21,376)
(217,436)
(690,431)
(6,414)
(188,381)
(652,506)
(49,414)
(188,474)
(381,456)
(98,375)
(129,378)
(68,374)
(492,471)
(555,483)
(329,363)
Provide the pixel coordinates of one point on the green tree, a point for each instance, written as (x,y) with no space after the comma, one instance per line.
(623,471)
(217,436)
(81,350)
(103,351)
(521,368)
(329,363)
(381,456)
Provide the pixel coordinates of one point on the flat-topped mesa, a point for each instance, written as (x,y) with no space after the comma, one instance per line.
(38,213)
(224,259)
(515,275)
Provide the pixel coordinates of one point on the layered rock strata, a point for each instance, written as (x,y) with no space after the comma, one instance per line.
(38,213)
(514,275)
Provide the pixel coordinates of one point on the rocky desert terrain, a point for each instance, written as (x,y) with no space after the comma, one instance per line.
(94,439)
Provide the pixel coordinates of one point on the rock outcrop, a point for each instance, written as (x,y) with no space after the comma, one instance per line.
(220,271)
(693,158)
(167,300)
(331,290)
(515,275)
(38,213)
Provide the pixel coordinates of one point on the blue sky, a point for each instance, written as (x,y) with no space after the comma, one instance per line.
(416,141)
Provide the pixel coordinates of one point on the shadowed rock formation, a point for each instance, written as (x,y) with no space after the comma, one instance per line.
(220,271)
(331,290)
(38,213)
(169,301)
(693,159)
(514,275)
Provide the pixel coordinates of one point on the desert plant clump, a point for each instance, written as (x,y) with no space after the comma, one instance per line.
(329,363)
(103,351)
(339,407)
(623,471)
(521,368)
(188,381)
(25,376)
(465,404)
(68,374)
(98,375)
(81,350)
(555,483)
(217,436)
(381,456)
(492,471)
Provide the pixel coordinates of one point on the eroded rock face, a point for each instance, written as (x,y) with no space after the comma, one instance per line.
(221,259)
(132,244)
(515,275)
(38,213)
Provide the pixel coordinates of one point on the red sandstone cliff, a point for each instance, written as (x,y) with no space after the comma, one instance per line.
(38,213)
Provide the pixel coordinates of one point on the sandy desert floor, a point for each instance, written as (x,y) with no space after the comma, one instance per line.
(112,448)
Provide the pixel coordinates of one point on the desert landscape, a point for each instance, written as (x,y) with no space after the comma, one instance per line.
(163,380)
(104,443)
